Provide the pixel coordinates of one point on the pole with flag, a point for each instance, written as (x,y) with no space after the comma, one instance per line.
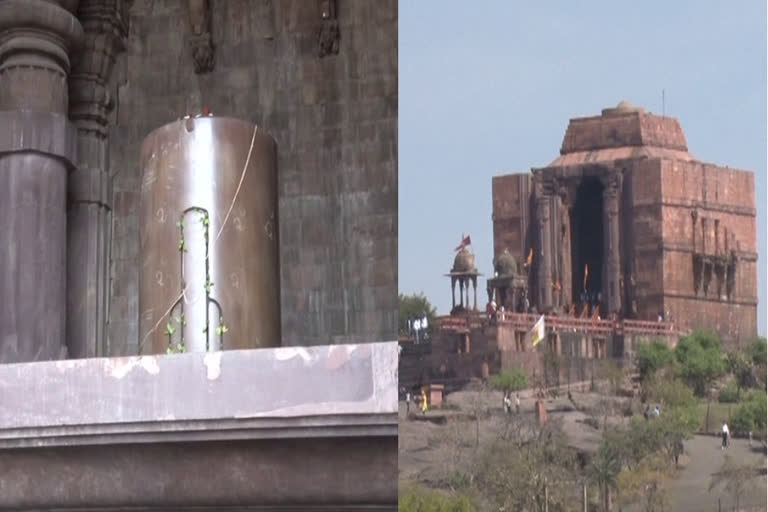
(538,331)
(465,241)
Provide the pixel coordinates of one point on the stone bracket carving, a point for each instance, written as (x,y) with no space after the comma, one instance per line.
(200,37)
(329,35)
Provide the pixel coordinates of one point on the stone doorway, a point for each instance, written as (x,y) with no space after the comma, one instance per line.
(587,246)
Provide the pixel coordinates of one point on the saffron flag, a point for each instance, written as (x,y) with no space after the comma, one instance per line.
(529,259)
(464,243)
(586,274)
(538,331)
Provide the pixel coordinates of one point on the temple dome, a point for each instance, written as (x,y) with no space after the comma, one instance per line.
(464,261)
(506,265)
(624,107)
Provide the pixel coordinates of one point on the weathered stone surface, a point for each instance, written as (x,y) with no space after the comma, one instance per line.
(335,123)
(229,394)
(36,154)
(288,426)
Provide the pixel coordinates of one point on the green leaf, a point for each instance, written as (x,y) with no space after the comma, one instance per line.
(169,329)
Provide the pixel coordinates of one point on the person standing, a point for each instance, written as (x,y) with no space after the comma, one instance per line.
(507,403)
(407,402)
(517,403)
(725,434)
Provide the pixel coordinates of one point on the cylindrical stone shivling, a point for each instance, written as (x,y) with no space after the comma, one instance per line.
(195,185)
(37,152)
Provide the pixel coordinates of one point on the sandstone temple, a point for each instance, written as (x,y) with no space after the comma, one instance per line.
(625,236)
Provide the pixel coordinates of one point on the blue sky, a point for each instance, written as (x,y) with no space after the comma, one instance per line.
(487,88)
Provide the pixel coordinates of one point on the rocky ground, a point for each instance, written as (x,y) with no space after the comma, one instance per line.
(432,444)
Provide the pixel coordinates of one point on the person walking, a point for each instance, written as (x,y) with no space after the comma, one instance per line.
(726,435)
(507,404)
(517,403)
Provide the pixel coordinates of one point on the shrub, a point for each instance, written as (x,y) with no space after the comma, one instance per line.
(750,414)
(701,360)
(669,392)
(653,356)
(422,500)
(510,380)
(757,351)
(729,394)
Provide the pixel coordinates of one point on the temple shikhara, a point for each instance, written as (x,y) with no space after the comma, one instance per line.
(625,236)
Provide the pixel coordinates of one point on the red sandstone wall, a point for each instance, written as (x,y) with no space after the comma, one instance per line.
(726,198)
(510,214)
(591,133)
(645,235)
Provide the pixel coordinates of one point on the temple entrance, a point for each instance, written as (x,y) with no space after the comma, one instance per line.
(587,243)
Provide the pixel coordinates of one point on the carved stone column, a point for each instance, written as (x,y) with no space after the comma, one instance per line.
(90,186)
(611,267)
(544,249)
(37,150)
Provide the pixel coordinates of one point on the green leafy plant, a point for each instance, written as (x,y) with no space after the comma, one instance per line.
(222,328)
(510,380)
(178,349)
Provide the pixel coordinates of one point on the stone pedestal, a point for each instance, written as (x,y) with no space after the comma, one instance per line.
(271,429)
(36,154)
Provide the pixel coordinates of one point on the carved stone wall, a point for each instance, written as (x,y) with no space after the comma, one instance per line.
(335,121)
(679,235)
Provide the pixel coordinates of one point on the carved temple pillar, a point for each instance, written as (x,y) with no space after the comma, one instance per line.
(612,267)
(90,185)
(544,277)
(453,293)
(37,152)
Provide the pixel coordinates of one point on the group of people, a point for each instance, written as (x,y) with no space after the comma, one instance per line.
(417,328)
(508,403)
(421,402)
(652,413)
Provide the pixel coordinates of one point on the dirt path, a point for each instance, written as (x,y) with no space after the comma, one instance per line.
(703,458)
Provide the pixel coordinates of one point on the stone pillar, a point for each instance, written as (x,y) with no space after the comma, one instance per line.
(90,185)
(37,151)
(612,267)
(453,293)
(544,253)
(474,289)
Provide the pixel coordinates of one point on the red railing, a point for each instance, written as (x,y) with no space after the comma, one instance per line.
(526,321)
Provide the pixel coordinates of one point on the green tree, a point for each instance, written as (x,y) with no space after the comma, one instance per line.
(513,379)
(603,470)
(669,392)
(645,483)
(750,414)
(652,357)
(757,351)
(701,360)
(412,306)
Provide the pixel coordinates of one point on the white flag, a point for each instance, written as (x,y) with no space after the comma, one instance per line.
(538,331)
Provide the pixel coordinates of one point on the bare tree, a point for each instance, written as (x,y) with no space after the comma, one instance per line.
(736,478)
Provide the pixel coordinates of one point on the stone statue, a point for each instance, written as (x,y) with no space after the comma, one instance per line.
(329,34)
(200,25)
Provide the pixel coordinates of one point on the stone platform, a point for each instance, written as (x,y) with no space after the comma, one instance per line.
(272,429)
